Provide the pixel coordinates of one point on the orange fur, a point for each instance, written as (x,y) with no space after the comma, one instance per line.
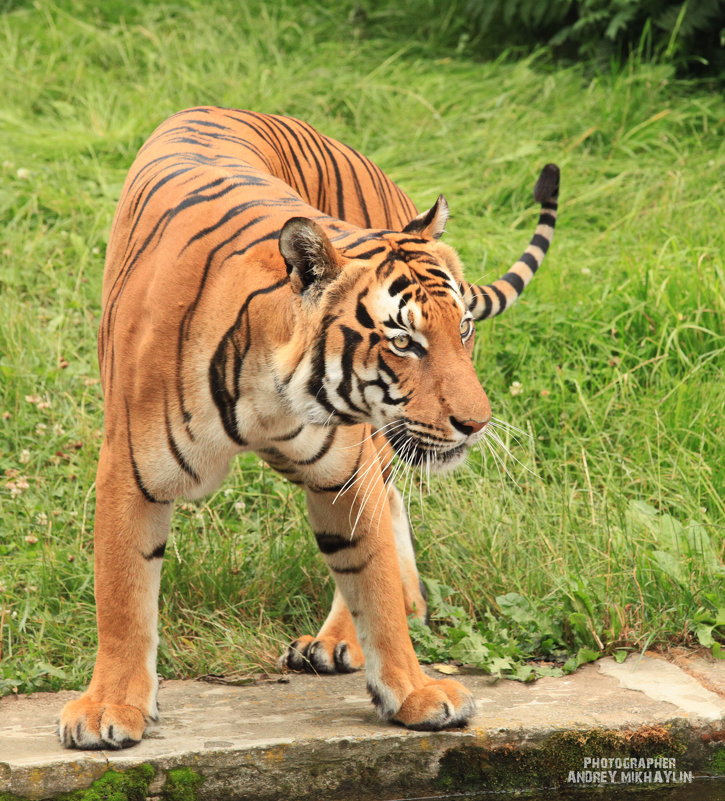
(270,289)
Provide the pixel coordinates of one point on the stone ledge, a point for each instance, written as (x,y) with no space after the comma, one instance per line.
(318,737)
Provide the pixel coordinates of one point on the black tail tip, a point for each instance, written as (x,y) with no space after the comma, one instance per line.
(547,187)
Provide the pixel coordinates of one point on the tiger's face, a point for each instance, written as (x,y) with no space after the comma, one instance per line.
(392,344)
(416,349)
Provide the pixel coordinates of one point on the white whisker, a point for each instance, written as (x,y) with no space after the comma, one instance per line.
(508,453)
(505,424)
(386,429)
(357,476)
(496,460)
(507,432)
(368,491)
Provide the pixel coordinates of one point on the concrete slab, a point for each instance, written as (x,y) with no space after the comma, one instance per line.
(664,681)
(702,666)
(316,736)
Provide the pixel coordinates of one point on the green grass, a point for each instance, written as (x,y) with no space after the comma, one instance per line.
(607,532)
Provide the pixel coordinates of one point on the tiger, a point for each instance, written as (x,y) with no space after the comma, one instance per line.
(269,289)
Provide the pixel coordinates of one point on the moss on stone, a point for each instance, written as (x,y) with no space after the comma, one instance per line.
(181,785)
(717,761)
(127,785)
(547,764)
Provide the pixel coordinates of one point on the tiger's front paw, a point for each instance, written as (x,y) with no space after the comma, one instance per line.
(322,655)
(91,725)
(442,704)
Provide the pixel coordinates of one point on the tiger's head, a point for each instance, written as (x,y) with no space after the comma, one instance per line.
(386,329)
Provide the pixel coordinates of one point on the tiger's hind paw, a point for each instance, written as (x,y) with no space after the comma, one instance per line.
(88,724)
(322,655)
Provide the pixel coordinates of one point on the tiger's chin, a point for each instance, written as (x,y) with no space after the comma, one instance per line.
(449,460)
(437,460)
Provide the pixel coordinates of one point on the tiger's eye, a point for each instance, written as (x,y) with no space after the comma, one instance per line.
(402,341)
(466,328)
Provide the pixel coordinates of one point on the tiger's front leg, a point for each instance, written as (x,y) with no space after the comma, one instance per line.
(361,553)
(130,534)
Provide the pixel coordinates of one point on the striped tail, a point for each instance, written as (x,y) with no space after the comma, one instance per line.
(492,299)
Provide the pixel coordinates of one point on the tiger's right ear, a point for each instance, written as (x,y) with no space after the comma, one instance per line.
(311,260)
(430,224)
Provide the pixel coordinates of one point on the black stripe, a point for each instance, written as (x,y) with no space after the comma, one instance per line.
(157,553)
(314,152)
(341,149)
(342,484)
(326,445)
(352,339)
(230,214)
(134,466)
(283,471)
(367,165)
(354,568)
(431,439)
(400,283)
(315,385)
(292,149)
(173,447)
(291,435)
(225,387)
(361,313)
(366,236)
(384,367)
(299,136)
(225,396)
(530,261)
(547,219)
(501,297)
(186,321)
(332,543)
(540,241)
(157,186)
(209,124)
(414,239)
(278,146)
(366,254)
(330,159)
(479,293)
(487,304)
(440,274)
(514,280)
(421,424)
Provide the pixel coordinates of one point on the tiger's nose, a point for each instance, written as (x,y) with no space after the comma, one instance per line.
(468,427)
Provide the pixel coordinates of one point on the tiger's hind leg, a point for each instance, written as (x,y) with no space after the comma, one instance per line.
(130,533)
(335,648)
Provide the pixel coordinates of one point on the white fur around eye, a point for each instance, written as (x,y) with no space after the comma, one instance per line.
(466,328)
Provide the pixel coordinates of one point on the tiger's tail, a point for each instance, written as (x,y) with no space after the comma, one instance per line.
(492,299)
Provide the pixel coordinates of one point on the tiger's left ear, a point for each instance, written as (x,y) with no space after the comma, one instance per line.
(430,224)
(311,260)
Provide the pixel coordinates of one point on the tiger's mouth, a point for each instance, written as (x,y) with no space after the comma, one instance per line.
(419,451)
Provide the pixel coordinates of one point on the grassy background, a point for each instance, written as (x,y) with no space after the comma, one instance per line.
(611,538)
